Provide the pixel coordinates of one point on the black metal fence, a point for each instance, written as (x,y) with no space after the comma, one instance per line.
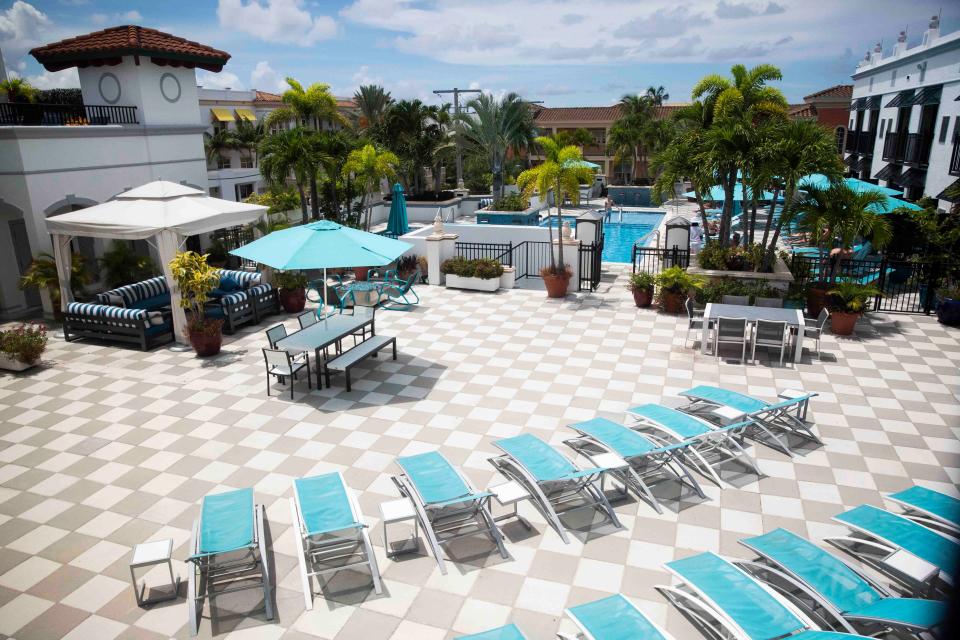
(655,259)
(591,257)
(233,238)
(529,257)
(65,114)
(494,250)
(905,286)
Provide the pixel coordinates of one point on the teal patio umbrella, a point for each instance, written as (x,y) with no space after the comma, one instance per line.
(322,245)
(822,181)
(586,164)
(397,222)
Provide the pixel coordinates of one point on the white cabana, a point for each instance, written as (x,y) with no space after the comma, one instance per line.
(166,211)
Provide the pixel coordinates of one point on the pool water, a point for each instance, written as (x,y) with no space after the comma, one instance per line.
(619,237)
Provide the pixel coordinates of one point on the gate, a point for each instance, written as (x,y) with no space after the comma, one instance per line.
(529,257)
(656,259)
(590,259)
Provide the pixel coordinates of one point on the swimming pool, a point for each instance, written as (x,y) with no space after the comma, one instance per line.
(619,237)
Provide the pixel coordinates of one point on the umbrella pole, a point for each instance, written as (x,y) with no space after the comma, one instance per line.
(324,291)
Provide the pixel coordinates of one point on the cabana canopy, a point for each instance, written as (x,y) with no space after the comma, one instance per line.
(165,210)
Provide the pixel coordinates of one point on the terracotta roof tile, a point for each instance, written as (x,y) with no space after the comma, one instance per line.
(109,45)
(839,92)
(803,111)
(265,96)
(550,115)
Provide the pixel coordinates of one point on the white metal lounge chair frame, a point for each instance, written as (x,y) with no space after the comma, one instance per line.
(637,469)
(720,440)
(874,551)
(708,616)
(924,517)
(320,550)
(586,635)
(544,495)
(774,416)
(802,594)
(206,573)
(459,519)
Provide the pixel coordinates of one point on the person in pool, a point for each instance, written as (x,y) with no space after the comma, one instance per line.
(608,209)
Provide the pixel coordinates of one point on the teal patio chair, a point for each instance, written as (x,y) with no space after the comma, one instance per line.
(398,295)
(330,533)
(227,546)
(447,506)
(928,507)
(506,632)
(723,601)
(640,457)
(614,618)
(829,590)
(551,479)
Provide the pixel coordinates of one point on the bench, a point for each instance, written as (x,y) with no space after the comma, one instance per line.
(346,361)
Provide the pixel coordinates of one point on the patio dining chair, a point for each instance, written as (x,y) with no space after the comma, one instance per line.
(741,300)
(307,318)
(731,331)
(814,327)
(694,319)
(768,333)
(282,364)
(775,303)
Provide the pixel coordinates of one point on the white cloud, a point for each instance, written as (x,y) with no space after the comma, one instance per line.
(285,21)
(222,80)
(116,19)
(66,79)
(23,27)
(265,78)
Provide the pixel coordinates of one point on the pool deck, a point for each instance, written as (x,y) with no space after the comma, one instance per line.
(103,447)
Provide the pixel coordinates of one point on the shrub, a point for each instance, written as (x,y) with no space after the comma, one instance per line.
(714,290)
(512,202)
(850,297)
(677,280)
(487,269)
(484,268)
(641,281)
(290,280)
(121,265)
(24,343)
(739,258)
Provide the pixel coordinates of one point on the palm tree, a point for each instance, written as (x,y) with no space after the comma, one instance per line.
(369,166)
(216,143)
(19,90)
(678,160)
(495,127)
(657,95)
(562,171)
(309,107)
(415,132)
(840,211)
(373,102)
(247,136)
(286,153)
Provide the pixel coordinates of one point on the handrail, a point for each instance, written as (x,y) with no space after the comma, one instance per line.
(43,114)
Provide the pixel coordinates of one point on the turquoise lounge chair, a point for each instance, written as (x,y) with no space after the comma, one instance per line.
(723,601)
(783,416)
(614,618)
(397,294)
(330,533)
(719,444)
(447,506)
(921,559)
(227,544)
(639,457)
(551,479)
(506,632)
(930,508)
(825,587)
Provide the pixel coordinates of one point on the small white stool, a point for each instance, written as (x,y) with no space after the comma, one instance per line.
(728,415)
(509,494)
(148,554)
(790,394)
(399,511)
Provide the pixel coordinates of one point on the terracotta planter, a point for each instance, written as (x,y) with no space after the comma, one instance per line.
(292,300)
(360,273)
(206,345)
(843,323)
(643,297)
(672,302)
(816,300)
(556,285)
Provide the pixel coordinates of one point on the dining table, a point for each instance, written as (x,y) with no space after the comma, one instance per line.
(793,318)
(324,334)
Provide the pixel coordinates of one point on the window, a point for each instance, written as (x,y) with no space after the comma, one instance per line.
(944,125)
(246,162)
(243,191)
(839,133)
(883,124)
(215,192)
(223,162)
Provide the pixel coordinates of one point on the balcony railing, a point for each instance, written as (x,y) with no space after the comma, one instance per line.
(65,114)
(892,149)
(851,144)
(865,143)
(917,150)
(955,157)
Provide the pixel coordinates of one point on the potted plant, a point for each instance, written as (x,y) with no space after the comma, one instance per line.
(196,279)
(217,256)
(556,279)
(847,301)
(948,307)
(479,275)
(120,265)
(675,285)
(406,265)
(796,297)
(291,289)
(641,285)
(42,275)
(21,347)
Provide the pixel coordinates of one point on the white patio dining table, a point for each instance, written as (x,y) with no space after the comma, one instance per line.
(793,318)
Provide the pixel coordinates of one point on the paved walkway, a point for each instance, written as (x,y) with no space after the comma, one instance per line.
(105,447)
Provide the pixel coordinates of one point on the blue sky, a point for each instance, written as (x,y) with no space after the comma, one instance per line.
(564,52)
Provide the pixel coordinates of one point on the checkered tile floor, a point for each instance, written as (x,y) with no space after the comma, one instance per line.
(105,447)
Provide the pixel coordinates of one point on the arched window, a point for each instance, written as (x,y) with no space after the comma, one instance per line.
(839,134)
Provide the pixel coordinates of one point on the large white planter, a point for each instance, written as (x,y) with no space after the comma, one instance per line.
(477,284)
(12,364)
(508,280)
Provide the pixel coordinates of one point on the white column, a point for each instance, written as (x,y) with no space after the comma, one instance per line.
(571,256)
(509,278)
(440,246)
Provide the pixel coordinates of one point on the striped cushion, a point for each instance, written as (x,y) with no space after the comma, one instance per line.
(103,311)
(245,278)
(259,289)
(235,298)
(137,291)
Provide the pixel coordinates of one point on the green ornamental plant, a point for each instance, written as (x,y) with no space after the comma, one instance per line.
(290,280)
(677,280)
(121,265)
(24,343)
(196,279)
(641,281)
(42,274)
(850,297)
(511,202)
(484,268)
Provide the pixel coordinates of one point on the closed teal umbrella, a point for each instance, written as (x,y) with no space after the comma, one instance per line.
(397,222)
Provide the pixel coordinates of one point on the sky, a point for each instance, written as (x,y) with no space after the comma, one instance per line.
(563,52)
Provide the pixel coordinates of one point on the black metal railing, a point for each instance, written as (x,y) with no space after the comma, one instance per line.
(865,143)
(591,259)
(476,250)
(655,259)
(954,168)
(234,238)
(905,286)
(916,150)
(892,150)
(65,114)
(851,143)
